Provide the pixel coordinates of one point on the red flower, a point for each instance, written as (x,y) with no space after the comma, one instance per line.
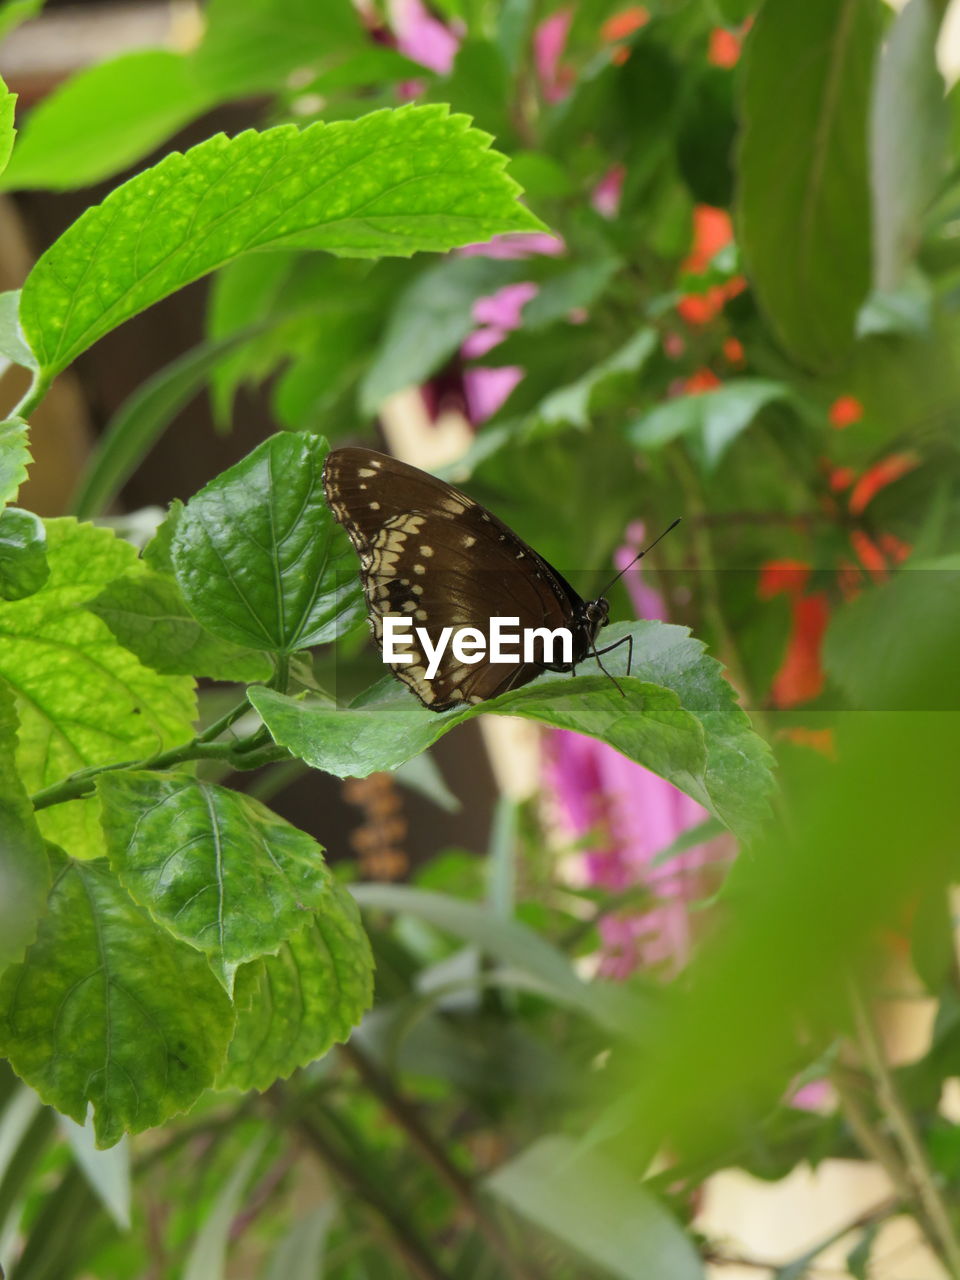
(620,25)
(779,577)
(801,677)
(845,411)
(724,48)
(712,231)
(879,476)
(701,381)
(733,350)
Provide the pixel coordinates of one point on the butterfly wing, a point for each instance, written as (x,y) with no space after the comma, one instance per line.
(430,553)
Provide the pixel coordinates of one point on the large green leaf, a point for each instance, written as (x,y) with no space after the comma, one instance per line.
(804,193)
(24,868)
(14,457)
(147,614)
(910,125)
(23,554)
(104,118)
(258,555)
(393,182)
(428,322)
(679,718)
(83,699)
(8,102)
(294,1005)
(711,421)
(107,1008)
(578,401)
(605,1215)
(215,867)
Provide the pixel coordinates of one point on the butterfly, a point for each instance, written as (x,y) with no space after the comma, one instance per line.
(431,554)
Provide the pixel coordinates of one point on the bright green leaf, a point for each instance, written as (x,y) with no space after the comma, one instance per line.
(23,554)
(14,457)
(390,183)
(575,403)
(13,348)
(712,420)
(909,132)
(428,322)
(679,718)
(294,1005)
(207,1258)
(147,614)
(13,12)
(8,102)
(258,555)
(143,418)
(24,867)
(84,700)
(215,867)
(107,1008)
(105,118)
(804,223)
(592,1205)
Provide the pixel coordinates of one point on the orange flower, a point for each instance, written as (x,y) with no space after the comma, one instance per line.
(733,350)
(622,24)
(845,411)
(871,557)
(779,577)
(821,740)
(841,478)
(724,48)
(712,231)
(701,381)
(879,476)
(801,677)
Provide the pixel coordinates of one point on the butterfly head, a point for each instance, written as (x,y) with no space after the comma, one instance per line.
(596,614)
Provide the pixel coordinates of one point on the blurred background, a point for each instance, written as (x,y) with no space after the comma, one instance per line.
(745,313)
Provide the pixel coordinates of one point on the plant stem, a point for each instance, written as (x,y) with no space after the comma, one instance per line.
(34,395)
(201,747)
(918,1168)
(405,1237)
(404,1114)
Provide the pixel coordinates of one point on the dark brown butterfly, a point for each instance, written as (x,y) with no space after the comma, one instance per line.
(431,554)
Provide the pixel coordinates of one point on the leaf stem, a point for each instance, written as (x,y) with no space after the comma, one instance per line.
(919,1171)
(38,388)
(405,1115)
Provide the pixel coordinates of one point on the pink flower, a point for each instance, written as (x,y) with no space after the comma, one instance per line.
(632,815)
(422,38)
(517,244)
(549,42)
(606,194)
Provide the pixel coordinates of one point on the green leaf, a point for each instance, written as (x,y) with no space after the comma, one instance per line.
(428,322)
(109,1009)
(253,47)
(608,1217)
(107,1173)
(8,102)
(909,134)
(294,1005)
(882,665)
(24,867)
(804,226)
(258,555)
(143,418)
(84,700)
(14,457)
(105,118)
(13,348)
(734,12)
(300,1253)
(575,403)
(216,868)
(712,420)
(23,554)
(513,945)
(390,183)
(207,1259)
(14,12)
(679,718)
(147,614)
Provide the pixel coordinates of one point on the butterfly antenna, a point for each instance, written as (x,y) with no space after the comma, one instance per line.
(640,555)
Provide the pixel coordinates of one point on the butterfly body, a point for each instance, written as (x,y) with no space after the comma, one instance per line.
(432,554)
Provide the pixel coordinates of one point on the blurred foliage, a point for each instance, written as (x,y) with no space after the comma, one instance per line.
(749,316)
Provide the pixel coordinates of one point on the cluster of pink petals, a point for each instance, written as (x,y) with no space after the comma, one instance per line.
(421,37)
(633,815)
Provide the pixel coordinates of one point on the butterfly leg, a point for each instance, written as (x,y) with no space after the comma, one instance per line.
(628,641)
